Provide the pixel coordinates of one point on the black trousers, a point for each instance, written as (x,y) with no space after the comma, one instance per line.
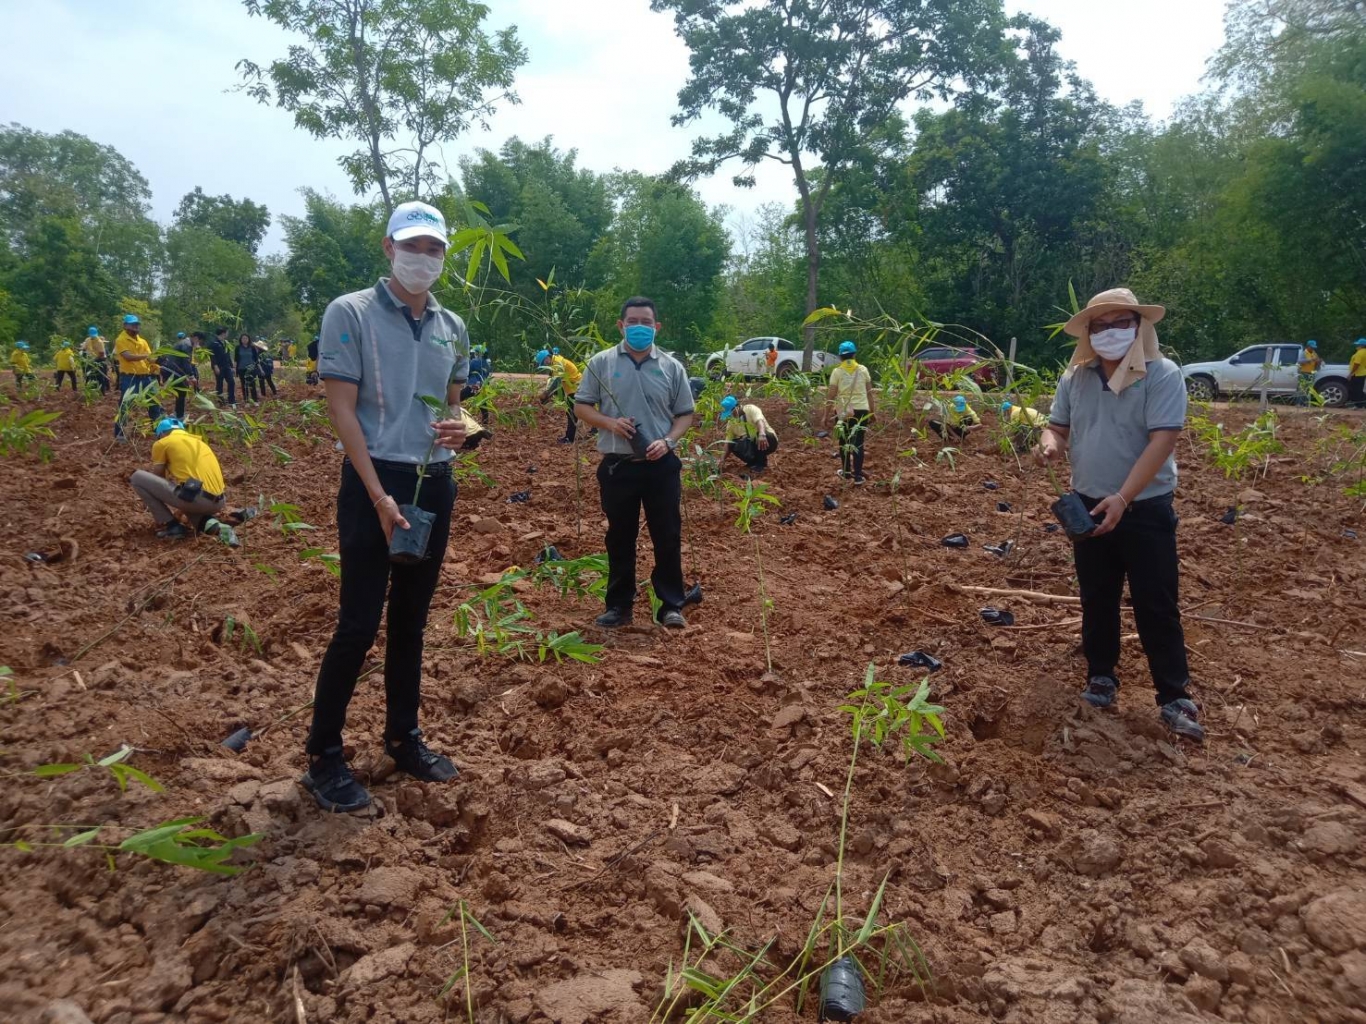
(1356,392)
(748,451)
(851,434)
(368,581)
(98,371)
(222,373)
(657,486)
(1143,549)
(248,382)
(571,429)
(66,373)
(136,383)
(268,378)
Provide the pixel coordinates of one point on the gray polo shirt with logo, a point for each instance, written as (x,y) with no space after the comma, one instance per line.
(1108,431)
(652,392)
(370,339)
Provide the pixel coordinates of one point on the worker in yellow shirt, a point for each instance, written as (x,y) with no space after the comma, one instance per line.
(955,420)
(95,357)
(565,376)
(66,363)
(311,363)
(1356,377)
(1310,364)
(185,476)
(21,363)
(137,372)
(748,436)
(851,399)
(1022,424)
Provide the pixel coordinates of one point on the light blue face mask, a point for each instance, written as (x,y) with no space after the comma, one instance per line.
(639,337)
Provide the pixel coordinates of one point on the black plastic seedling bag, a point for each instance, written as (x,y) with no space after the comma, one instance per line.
(919,659)
(1074,516)
(408,547)
(997,617)
(954,540)
(830,504)
(842,994)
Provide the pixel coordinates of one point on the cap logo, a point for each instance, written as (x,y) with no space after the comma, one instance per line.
(422,215)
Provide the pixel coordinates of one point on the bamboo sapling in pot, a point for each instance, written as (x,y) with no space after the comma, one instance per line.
(408,547)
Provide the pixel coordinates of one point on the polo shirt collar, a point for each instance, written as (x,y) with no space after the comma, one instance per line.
(623,350)
(387,295)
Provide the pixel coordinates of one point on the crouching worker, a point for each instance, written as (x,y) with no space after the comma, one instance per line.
(1022,424)
(748,436)
(1119,411)
(185,477)
(955,421)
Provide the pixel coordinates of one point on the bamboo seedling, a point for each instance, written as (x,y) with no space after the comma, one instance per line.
(752,501)
(462,973)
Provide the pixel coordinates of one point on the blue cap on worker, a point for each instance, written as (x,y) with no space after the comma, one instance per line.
(847,348)
(960,404)
(22,346)
(168,424)
(1311,343)
(131,318)
(728,405)
(542,356)
(1361,343)
(1006,406)
(555,351)
(179,335)
(93,331)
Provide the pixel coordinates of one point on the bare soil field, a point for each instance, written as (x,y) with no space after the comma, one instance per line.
(1063,866)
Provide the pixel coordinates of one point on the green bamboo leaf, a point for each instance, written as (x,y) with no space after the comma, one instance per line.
(81,838)
(44,771)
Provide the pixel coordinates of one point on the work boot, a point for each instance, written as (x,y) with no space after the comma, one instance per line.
(418,760)
(1101,691)
(173,531)
(333,786)
(1183,718)
(672,619)
(613,618)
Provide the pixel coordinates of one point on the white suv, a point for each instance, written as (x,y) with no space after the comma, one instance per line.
(748,360)
(1275,365)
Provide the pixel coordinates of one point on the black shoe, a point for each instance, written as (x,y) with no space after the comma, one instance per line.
(1101,691)
(173,531)
(330,781)
(1183,718)
(565,440)
(672,619)
(418,760)
(613,618)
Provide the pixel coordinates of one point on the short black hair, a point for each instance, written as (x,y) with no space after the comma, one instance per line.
(197,334)
(638,301)
(221,330)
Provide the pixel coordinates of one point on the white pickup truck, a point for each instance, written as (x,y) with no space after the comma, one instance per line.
(747,360)
(1243,374)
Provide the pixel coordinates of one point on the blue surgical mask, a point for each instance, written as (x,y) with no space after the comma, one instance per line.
(639,337)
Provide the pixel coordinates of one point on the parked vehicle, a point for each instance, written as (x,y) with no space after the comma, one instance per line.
(747,360)
(947,360)
(1276,366)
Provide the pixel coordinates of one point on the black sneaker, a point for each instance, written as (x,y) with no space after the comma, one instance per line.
(859,481)
(613,618)
(173,531)
(330,781)
(672,619)
(1100,691)
(1183,718)
(420,761)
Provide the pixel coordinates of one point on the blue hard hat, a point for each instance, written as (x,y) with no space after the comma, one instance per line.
(179,335)
(1361,343)
(959,403)
(1311,343)
(728,405)
(94,332)
(555,351)
(168,424)
(542,356)
(131,318)
(21,345)
(847,348)
(1006,406)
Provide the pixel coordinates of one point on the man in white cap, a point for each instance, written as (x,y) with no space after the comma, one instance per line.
(379,350)
(1119,410)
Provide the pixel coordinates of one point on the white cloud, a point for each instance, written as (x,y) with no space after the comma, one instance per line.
(156,78)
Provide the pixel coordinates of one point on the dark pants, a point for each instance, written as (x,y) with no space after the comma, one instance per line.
(748,451)
(948,432)
(131,387)
(367,577)
(851,434)
(222,374)
(571,429)
(1356,392)
(1142,548)
(247,378)
(466,393)
(268,378)
(66,373)
(98,371)
(626,486)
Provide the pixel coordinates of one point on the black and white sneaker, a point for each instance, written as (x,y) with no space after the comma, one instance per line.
(333,786)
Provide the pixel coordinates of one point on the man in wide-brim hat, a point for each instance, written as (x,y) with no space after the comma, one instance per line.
(1119,410)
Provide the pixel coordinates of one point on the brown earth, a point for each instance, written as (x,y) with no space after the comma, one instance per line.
(1064,866)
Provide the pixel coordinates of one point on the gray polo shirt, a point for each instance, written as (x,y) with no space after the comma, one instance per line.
(370,339)
(1109,431)
(652,392)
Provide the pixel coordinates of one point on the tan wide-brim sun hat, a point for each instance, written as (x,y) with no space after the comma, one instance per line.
(1108,302)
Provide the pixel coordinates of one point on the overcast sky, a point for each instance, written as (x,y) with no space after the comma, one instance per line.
(155,79)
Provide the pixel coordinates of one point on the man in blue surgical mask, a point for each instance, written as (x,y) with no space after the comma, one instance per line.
(639,399)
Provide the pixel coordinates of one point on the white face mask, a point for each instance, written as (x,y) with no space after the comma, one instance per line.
(1114,343)
(416,271)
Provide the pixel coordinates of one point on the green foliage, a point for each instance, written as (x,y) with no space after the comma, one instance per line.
(881,711)
(244,635)
(497,622)
(348,78)
(113,763)
(238,221)
(467,921)
(1237,452)
(18,433)
(330,562)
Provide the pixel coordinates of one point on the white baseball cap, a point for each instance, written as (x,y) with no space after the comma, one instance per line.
(416,220)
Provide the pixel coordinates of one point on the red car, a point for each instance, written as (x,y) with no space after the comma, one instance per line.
(944,361)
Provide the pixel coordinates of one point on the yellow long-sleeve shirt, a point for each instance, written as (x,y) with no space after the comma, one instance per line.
(66,359)
(20,361)
(134,346)
(568,371)
(1357,367)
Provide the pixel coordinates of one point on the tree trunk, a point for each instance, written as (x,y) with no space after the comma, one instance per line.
(813,272)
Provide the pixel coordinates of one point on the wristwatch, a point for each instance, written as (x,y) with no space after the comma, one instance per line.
(672,444)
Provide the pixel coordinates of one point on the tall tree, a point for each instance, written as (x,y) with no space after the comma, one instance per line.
(203,272)
(397,76)
(835,71)
(233,220)
(332,249)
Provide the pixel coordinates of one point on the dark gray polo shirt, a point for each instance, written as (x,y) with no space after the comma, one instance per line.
(370,339)
(652,392)
(1108,431)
